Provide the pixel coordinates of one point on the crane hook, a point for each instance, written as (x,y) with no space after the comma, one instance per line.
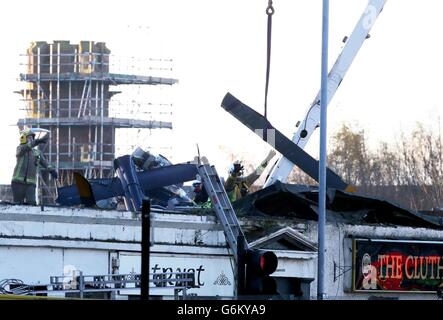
(270,8)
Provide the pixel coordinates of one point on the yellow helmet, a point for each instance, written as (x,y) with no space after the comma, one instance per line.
(24,135)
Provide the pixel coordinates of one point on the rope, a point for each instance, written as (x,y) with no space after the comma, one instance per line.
(269,11)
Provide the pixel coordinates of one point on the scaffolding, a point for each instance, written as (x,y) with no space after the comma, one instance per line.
(69,91)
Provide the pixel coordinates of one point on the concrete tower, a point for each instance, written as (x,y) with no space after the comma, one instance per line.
(67,92)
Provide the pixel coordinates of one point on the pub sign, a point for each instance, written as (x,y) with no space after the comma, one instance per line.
(397,266)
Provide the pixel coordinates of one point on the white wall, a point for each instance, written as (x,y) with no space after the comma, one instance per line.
(214,274)
(339,250)
(34,265)
(35,245)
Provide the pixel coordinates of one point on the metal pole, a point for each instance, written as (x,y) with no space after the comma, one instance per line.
(146,243)
(51,83)
(40,188)
(81,284)
(322,167)
(102,97)
(39,191)
(241,252)
(58,112)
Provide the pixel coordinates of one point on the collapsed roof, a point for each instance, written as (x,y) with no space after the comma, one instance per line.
(299,201)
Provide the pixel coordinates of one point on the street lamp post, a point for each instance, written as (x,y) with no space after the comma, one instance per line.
(322,166)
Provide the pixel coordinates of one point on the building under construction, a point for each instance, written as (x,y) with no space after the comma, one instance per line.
(68,93)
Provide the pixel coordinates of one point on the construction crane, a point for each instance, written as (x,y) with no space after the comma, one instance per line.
(311,121)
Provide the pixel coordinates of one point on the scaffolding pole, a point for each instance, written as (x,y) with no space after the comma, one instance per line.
(58,108)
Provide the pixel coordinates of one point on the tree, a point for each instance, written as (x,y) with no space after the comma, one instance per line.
(349,157)
(408,172)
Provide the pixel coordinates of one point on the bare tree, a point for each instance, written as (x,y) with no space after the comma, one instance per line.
(409,172)
(297,176)
(349,156)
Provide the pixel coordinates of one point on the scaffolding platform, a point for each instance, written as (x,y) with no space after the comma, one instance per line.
(96,121)
(107,78)
(85,165)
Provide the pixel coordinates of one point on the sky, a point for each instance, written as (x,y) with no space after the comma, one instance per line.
(219,46)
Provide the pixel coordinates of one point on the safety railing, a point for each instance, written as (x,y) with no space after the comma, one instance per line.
(82,284)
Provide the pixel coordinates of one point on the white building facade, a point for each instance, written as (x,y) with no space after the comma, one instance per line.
(35,245)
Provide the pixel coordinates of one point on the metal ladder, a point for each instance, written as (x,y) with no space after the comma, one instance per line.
(222,206)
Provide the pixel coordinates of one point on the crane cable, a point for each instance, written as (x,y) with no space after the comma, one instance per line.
(269,11)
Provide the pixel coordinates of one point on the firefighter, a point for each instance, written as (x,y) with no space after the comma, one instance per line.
(237,186)
(201,196)
(29,160)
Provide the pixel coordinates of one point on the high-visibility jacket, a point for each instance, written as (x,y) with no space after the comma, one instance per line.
(28,159)
(236,187)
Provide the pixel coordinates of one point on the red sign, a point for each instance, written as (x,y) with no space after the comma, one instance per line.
(388,265)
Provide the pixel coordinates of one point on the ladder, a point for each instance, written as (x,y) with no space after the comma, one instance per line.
(222,206)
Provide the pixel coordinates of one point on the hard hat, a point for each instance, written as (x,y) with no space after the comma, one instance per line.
(24,135)
(196,183)
(235,167)
(139,153)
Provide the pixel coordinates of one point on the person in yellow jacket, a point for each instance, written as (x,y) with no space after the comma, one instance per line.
(29,159)
(236,185)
